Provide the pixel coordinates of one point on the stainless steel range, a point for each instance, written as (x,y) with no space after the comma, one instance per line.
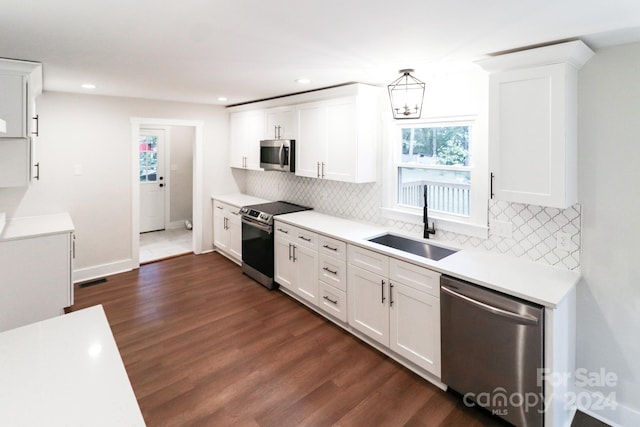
(257,239)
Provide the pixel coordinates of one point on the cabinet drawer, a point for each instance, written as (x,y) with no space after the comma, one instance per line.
(333,271)
(284,230)
(369,260)
(332,247)
(419,278)
(333,301)
(305,238)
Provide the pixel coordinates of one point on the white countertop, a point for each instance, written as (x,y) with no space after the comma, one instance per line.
(33,226)
(3,219)
(65,371)
(239,200)
(521,278)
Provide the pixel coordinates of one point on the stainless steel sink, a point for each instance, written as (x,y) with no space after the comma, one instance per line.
(415,247)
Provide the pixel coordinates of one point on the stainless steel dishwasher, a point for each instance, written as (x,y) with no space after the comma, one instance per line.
(492,350)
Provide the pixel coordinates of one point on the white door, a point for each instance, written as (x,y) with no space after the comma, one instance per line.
(311,144)
(306,265)
(368,307)
(152,182)
(415,326)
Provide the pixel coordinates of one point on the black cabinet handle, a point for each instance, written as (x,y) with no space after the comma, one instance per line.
(330,300)
(37,177)
(491,185)
(327,269)
(37,131)
(382,291)
(390,294)
(329,247)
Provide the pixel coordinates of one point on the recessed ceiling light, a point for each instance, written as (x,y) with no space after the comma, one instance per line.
(303,81)
(222,98)
(88,86)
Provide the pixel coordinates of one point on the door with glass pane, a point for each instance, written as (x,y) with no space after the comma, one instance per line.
(152,182)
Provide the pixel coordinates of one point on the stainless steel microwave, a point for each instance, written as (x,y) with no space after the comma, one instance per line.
(278,155)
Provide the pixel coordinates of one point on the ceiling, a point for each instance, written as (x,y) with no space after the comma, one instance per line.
(199,50)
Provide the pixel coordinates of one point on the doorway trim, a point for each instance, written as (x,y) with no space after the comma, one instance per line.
(136,124)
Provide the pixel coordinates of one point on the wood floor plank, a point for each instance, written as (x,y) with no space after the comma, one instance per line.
(204,345)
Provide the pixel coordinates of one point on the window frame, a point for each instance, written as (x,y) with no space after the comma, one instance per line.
(476,223)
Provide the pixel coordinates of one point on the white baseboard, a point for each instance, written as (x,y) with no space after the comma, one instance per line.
(97,271)
(606,410)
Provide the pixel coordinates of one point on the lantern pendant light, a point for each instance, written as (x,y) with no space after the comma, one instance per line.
(406,94)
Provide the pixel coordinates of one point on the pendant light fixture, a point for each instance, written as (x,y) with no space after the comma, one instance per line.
(406,94)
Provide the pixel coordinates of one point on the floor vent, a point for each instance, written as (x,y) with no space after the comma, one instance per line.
(92,282)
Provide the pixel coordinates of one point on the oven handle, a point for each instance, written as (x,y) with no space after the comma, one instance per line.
(263,227)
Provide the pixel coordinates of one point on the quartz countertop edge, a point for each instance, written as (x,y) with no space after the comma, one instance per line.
(35,226)
(3,220)
(528,280)
(66,370)
(238,199)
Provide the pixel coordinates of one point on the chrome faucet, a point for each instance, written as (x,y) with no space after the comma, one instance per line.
(425,218)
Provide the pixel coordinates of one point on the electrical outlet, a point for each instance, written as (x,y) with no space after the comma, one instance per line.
(502,228)
(563,241)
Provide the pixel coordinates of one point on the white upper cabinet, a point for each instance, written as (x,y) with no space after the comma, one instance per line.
(532,124)
(246,129)
(13,105)
(338,138)
(280,123)
(20,84)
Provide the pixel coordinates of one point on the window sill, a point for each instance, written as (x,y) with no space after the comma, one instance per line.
(474,230)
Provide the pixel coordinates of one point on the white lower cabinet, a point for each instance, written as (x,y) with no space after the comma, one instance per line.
(227,230)
(400,310)
(36,279)
(296,261)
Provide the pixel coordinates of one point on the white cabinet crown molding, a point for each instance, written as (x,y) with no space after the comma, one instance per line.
(575,53)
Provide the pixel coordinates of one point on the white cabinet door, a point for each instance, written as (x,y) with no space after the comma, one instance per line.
(415,326)
(15,162)
(342,140)
(284,269)
(368,307)
(311,143)
(529,136)
(280,123)
(306,273)
(36,279)
(234,231)
(220,235)
(13,105)
(246,129)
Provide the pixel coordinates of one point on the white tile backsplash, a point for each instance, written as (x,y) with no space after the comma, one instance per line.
(533,237)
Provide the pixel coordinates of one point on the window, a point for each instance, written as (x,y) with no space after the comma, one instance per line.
(148,158)
(436,158)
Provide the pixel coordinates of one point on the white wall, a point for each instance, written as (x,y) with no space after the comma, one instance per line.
(609,156)
(181,173)
(94,133)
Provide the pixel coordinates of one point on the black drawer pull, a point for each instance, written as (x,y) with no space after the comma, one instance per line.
(304,238)
(329,247)
(328,270)
(330,300)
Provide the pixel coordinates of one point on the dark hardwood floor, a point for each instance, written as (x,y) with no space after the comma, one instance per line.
(204,345)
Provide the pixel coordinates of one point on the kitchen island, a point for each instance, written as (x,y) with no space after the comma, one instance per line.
(65,371)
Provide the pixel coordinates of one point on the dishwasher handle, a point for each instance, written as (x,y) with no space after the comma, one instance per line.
(522,318)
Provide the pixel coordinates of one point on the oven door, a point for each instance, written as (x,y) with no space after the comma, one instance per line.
(257,251)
